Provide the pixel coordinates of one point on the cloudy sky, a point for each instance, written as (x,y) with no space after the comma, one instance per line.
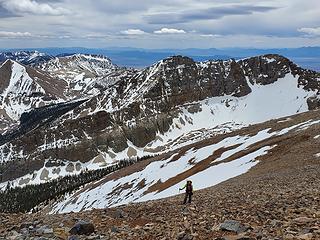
(159,23)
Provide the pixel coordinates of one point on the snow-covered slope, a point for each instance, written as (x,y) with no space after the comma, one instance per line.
(85,74)
(206,163)
(23,88)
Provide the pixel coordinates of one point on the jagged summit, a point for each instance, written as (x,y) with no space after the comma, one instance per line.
(94,64)
(86,74)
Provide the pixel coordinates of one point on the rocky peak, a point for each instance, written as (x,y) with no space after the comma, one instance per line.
(92,57)
(177,60)
(265,69)
(95,64)
(23,88)
(32,58)
(180,79)
(269,68)
(85,74)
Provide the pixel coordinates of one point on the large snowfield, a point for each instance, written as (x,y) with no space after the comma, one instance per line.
(116,192)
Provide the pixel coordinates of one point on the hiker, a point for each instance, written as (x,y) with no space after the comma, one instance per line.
(189,191)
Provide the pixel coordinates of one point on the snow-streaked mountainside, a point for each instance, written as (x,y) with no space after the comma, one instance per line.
(94,65)
(206,163)
(23,88)
(86,74)
(133,113)
(30,79)
(32,58)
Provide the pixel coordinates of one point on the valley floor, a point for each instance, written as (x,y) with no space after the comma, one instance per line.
(279,198)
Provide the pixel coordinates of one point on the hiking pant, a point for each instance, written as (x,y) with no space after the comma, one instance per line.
(188,195)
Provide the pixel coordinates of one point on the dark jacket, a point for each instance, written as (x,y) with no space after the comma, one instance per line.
(188,187)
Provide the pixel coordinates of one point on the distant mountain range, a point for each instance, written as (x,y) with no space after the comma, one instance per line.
(307,57)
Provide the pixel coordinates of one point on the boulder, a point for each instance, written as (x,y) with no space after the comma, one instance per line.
(120,214)
(82,228)
(73,238)
(307,236)
(313,103)
(233,226)
(184,236)
(44,230)
(60,233)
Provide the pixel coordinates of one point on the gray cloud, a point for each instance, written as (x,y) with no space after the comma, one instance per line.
(4,13)
(4,34)
(205,14)
(21,7)
(310,31)
(124,6)
(48,1)
(211,23)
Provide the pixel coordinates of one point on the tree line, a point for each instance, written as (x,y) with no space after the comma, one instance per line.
(27,198)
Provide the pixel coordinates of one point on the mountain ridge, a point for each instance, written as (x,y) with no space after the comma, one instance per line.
(160,107)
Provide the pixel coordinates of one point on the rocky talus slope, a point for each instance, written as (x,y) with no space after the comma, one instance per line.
(279,198)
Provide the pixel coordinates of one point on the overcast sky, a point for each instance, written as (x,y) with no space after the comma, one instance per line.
(159,23)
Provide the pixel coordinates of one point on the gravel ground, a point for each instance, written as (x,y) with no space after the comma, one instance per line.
(277,199)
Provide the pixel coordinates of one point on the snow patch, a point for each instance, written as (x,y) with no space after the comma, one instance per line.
(129,187)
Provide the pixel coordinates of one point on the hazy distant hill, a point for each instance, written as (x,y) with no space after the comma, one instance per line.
(307,57)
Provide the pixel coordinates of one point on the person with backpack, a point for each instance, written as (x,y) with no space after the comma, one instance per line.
(189,191)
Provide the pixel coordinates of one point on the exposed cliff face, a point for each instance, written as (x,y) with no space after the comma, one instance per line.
(269,68)
(168,105)
(180,80)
